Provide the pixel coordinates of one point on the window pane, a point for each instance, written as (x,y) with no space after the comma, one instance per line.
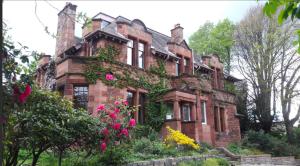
(169,107)
(142,108)
(141,59)
(130,98)
(80,97)
(203,112)
(177,68)
(141,47)
(186,113)
(130,43)
(129,56)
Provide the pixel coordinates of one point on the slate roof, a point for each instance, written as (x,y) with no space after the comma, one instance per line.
(159,42)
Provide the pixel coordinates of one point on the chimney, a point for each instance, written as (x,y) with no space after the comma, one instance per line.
(177,34)
(65,29)
(44,59)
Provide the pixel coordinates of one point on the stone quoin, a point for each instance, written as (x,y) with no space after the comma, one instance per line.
(201,106)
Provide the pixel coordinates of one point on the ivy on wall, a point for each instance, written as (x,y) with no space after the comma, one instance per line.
(105,63)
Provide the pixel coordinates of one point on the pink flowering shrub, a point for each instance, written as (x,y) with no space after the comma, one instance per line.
(117,123)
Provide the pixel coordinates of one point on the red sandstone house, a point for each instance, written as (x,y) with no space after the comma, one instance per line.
(201,107)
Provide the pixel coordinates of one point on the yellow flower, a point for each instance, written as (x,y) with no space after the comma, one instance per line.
(176,137)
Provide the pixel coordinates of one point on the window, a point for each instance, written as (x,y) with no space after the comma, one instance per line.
(222,119)
(104,24)
(203,112)
(142,108)
(177,67)
(130,98)
(186,65)
(61,90)
(216,118)
(129,52)
(80,96)
(186,112)
(141,48)
(169,107)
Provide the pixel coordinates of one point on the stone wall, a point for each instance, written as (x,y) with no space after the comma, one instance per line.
(171,161)
(266,159)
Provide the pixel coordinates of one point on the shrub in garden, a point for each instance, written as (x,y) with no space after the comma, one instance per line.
(46,121)
(270,144)
(117,123)
(176,138)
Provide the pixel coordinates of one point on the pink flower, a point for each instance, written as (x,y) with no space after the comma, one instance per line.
(125,102)
(22,98)
(109,77)
(125,132)
(27,90)
(117,110)
(103,146)
(101,107)
(117,103)
(132,123)
(113,115)
(105,131)
(117,126)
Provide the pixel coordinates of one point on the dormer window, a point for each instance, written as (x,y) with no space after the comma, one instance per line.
(104,24)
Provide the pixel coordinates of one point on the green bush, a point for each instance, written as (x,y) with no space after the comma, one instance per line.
(147,146)
(242,150)
(208,162)
(270,144)
(146,131)
(115,156)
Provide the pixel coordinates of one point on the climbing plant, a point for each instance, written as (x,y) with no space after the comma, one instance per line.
(105,63)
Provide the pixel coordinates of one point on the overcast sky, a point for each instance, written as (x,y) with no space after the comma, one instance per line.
(158,15)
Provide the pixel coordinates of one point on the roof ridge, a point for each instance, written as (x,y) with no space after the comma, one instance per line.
(147,27)
(103,14)
(158,32)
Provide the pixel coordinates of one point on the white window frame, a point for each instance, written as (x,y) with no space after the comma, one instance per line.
(204,112)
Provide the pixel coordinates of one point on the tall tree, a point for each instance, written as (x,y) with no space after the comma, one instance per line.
(288,10)
(258,42)
(216,39)
(289,80)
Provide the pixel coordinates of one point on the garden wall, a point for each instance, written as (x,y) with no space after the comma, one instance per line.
(266,159)
(171,161)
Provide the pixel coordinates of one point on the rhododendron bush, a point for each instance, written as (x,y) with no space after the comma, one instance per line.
(117,120)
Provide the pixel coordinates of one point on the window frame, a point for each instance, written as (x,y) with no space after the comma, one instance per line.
(132,52)
(142,108)
(183,112)
(142,51)
(75,100)
(203,112)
